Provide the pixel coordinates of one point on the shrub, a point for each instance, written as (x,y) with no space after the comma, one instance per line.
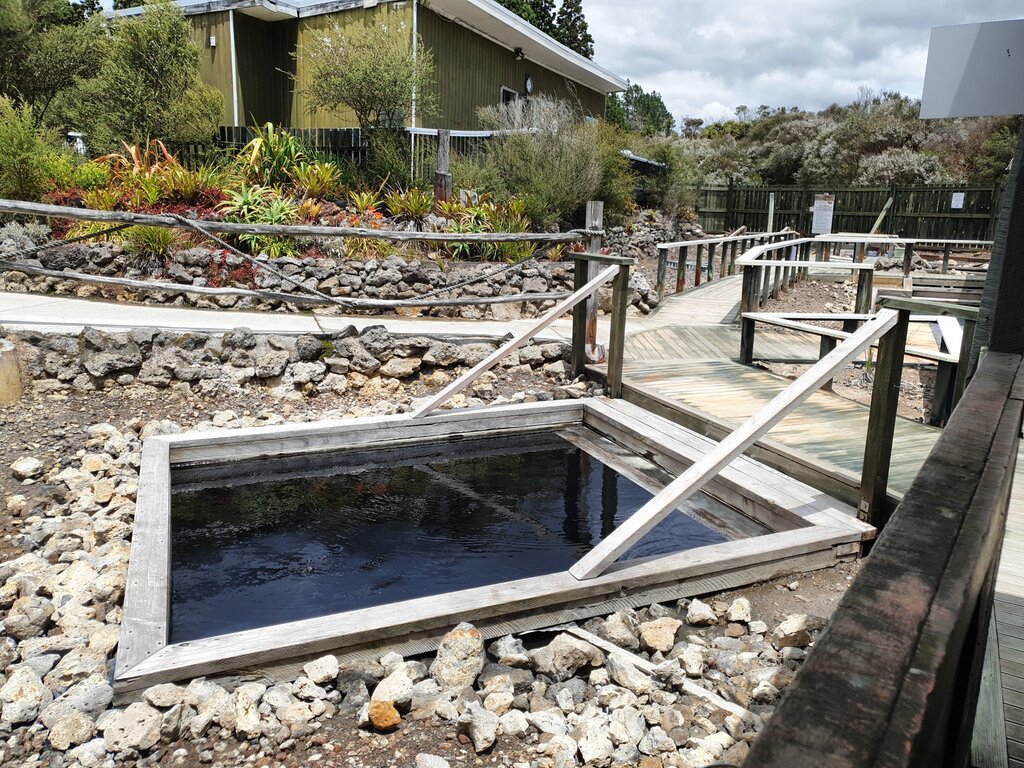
(547,155)
(24,235)
(320,180)
(618,181)
(148,85)
(150,242)
(23,152)
(271,157)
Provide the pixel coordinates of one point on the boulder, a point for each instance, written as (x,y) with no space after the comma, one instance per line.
(23,696)
(792,632)
(72,729)
(383,716)
(739,611)
(509,651)
(27,467)
(322,670)
(564,656)
(700,614)
(460,658)
(480,725)
(659,635)
(137,727)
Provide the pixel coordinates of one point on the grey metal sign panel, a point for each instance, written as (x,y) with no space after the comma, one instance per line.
(975,70)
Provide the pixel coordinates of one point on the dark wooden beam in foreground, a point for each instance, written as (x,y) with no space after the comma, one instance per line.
(895,678)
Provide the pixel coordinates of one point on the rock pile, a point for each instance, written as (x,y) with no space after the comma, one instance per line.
(373,363)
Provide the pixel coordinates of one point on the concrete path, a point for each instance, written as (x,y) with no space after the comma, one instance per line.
(24,311)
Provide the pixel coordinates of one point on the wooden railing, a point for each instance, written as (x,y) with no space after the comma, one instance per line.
(704,256)
(895,679)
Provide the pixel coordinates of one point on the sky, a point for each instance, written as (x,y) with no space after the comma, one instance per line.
(707,58)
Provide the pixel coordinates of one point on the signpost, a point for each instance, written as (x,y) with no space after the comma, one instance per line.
(824,207)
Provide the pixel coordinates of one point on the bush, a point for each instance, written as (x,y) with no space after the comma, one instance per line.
(547,155)
(24,150)
(618,181)
(148,85)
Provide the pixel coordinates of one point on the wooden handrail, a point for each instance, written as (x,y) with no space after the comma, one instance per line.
(612,547)
(894,680)
(491,360)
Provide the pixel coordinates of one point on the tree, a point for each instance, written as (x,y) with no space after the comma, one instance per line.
(646,113)
(571,28)
(46,48)
(148,85)
(370,69)
(544,13)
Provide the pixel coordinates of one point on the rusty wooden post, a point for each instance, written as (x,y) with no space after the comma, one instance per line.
(885,397)
(443,175)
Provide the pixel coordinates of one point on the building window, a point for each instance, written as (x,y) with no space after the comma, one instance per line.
(508,95)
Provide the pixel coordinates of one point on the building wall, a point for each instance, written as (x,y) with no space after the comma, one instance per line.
(471,71)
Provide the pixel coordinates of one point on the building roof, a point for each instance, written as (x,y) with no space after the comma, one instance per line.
(487,18)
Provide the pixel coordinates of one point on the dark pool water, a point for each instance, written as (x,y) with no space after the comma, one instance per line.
(359,531)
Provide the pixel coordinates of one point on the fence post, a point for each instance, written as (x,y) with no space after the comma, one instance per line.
(617,340)
(659,288)
(711,261)
(595,221)
(885,398)
(443,175)
(747,292)
(698,274)
(681,255)
(865,284)
(728,206)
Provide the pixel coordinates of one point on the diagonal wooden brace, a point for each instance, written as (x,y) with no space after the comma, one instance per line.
(693,479)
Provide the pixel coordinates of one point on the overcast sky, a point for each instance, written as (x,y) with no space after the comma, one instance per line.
(706,58)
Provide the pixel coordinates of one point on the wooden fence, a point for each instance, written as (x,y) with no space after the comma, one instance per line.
(916,211)
(344,144)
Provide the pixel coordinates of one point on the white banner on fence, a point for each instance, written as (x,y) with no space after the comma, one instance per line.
(824,206)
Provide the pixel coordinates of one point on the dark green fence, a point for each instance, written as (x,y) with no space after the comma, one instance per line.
(918,211)
(341,143)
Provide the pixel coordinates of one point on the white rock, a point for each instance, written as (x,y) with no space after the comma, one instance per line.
(460,658)
(564,656)
(562,750)
(700,614)
(764,693)
(659,635)
(23,696)
(792,632)
(622,628)
(26,468)
(480,725)
(739,611)
(137,727)
(627,726)
(323,670)
(71,730)
(423,760)
(549,721)
(510,652)
(248,724)
(595,745)
(90,697)
(628,676)
(92,754)
(165,695)
(514,723)
(396,687)
(757,627)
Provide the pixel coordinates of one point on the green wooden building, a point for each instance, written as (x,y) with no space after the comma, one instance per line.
(483,52)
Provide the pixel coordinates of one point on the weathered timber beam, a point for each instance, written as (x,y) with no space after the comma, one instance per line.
(691,481)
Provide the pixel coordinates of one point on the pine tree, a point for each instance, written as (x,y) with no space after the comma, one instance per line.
(571,28)
(544,16)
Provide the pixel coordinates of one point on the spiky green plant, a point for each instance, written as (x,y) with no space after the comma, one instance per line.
(269,159)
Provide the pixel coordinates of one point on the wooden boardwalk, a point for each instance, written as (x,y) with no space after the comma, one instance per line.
(685,356)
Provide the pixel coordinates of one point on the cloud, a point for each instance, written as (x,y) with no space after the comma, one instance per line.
(706,59)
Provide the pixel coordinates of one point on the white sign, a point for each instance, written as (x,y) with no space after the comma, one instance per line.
(975,70)
(958,200)
(824,206)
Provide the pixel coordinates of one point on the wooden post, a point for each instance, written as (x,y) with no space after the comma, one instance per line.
(711,261)
(659,288)
(882,424)
(10,373)
(942,394)
(865,281)
(963,366)
(945,258)
(617,341)
(681,269)
(697,267)
(908,259)
(595,221)
(579,320)
(747,299)
(825,348)
(443,175)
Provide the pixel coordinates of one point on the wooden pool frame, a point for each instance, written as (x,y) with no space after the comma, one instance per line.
(810,530)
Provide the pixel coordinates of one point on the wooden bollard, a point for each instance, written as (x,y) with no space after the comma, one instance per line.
(10,373)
